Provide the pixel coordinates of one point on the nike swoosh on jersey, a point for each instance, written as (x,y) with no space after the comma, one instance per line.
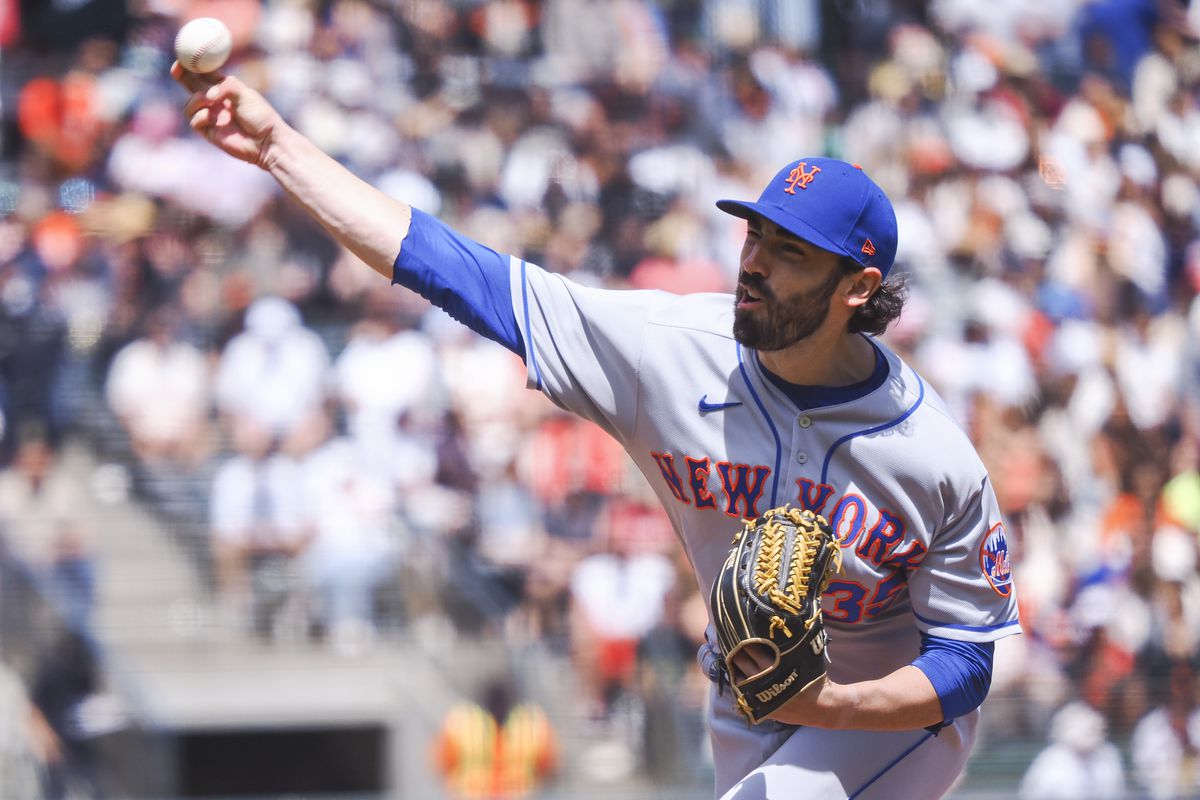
(706,406)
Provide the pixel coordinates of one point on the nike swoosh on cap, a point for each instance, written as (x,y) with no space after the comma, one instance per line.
(706,406)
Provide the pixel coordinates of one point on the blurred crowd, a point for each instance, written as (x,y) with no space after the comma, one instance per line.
(343,460)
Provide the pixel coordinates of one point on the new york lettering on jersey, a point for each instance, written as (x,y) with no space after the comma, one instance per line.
(880,539)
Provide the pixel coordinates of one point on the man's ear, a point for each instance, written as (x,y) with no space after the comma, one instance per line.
(861,286)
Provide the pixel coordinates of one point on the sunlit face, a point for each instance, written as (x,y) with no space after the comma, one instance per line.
(784,287)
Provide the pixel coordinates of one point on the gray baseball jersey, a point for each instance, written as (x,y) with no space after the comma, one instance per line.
(924,548)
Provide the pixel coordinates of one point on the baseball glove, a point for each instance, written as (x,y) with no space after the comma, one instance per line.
(768,595)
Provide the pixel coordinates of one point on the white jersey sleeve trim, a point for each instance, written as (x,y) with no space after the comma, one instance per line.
(530,348)
(968,633)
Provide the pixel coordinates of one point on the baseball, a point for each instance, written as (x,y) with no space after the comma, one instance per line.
(203,45)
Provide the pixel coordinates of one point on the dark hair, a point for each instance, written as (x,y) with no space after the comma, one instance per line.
(883,308)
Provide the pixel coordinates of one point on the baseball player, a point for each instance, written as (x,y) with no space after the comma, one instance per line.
(732,405)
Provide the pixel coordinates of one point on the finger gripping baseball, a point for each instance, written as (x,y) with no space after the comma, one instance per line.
(768,594)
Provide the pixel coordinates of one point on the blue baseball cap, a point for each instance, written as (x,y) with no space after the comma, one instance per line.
(831,204)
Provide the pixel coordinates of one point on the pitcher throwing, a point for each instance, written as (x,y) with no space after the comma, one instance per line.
(731,406)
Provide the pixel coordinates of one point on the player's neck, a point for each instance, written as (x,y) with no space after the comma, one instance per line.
(827,358)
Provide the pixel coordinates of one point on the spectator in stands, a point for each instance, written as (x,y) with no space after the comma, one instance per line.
(386,378)
(618,594)
(671,690)
(482,381)
(1166,741)
(510,528)
(45,517)
(260,524)
(33,333)
(496,748)
(1079,763)
(275,372)
(67,674)
(1181,494)
(352,551)
(160,389)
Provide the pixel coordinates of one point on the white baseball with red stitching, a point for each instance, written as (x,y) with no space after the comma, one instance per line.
(203,45)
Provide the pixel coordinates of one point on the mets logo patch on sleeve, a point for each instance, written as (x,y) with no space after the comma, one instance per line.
(993,559)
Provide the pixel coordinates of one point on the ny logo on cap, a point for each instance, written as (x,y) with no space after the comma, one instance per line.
(799,176)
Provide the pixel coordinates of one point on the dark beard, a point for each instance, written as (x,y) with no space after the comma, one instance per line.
(778,324)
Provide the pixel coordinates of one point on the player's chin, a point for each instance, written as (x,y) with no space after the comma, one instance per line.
(749,328)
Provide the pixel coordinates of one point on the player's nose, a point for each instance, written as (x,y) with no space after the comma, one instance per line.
(752,259)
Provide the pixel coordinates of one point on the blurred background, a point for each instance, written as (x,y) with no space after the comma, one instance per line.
(272,528)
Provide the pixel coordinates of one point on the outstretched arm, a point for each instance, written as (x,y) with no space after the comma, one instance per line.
(465,278)
(241,122)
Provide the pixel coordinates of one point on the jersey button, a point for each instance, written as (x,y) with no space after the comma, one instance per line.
(802,458)
(805,421)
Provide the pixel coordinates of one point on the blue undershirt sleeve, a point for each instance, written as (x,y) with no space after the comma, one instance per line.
(470,281)
(961,672)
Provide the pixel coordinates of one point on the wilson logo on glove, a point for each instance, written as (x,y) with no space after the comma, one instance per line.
(777,689)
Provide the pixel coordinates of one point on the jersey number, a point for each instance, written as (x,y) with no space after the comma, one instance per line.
(844,601)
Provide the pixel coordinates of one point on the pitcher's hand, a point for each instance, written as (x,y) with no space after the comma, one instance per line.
(230,114)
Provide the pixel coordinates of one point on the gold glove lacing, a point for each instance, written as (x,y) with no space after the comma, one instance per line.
(769,565)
